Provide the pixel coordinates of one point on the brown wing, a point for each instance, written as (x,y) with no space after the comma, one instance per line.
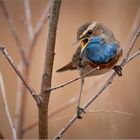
(69,66)
(74,64)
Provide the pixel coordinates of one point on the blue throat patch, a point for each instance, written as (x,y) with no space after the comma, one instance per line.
(100,52)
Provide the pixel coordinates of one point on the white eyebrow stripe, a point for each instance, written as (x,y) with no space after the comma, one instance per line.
(90,27)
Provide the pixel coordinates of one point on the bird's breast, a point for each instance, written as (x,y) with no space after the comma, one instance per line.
(101,52)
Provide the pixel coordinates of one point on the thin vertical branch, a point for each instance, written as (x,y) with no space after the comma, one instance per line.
(6,108)
(21,97)
(13,31)
(45,16)
(48,67)
(135,26)
(20,102)
(21,107)
(28,18)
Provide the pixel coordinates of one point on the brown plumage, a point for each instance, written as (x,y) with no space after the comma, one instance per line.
(80,62)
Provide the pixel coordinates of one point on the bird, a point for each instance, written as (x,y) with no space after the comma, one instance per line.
(98,49)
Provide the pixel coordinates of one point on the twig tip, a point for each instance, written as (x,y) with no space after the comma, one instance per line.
(2,47)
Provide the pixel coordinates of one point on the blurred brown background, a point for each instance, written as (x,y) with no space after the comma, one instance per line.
(115,114)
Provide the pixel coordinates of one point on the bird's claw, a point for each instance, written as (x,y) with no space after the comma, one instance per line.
(118,70)
(79,112)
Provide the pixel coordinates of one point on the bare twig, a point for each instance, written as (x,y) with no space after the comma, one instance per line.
(133,56)
(135,36)
(73,80)
(14,32)
(28,18)
(31,90)
(133,30)
(48,66)
(6,108)
(107,83)
(45,16)
(20,102)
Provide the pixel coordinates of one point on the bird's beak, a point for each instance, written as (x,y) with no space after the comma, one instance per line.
(84,42)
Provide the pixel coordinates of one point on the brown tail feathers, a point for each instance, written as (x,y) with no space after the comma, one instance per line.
(69,66)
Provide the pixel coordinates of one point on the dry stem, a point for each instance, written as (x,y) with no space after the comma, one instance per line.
(28,19)
(11,62)
(6,108)
(47,74)
(73,80)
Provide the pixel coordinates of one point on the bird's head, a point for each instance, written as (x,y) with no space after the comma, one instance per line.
(88,30)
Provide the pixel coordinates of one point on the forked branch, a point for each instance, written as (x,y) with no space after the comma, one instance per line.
(26,84)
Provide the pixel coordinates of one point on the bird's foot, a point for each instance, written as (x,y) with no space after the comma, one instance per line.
(79,112)
(118,70)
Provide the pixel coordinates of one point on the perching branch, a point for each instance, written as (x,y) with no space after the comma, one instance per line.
(6,108)
(107,83)
(73,80)
(11,62)
(48,67)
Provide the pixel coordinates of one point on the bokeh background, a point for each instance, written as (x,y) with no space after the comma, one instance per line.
(115,114)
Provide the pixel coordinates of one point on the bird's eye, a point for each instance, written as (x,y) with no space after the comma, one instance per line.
(89,32)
